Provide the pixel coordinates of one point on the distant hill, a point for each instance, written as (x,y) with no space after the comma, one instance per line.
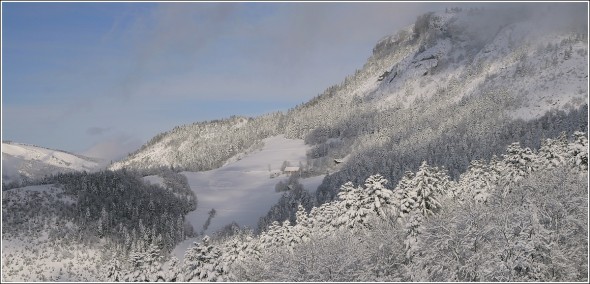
(28,162)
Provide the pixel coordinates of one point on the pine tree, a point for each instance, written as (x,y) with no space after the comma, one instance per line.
(202,262)
(412,227)
(173,272)
(302,229)
(477,183)
(517,164)
(553,153)
(351,203)
(429,186)
(138,267)
(578,151)
(405,195)
(379,198)
(268,238)
(114,271)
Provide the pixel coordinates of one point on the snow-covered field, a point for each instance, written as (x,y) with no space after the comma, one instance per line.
(243,191)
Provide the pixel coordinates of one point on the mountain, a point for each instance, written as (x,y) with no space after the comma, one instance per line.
(28,162)
(454,86)
(201,146)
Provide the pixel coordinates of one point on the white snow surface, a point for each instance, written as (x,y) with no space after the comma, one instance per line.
(243,191)
(155,180)
(33,162)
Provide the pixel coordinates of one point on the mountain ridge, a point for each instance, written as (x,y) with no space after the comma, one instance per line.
(22,162)
(439,60)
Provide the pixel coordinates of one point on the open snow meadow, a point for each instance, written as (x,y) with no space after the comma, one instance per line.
(243,191)
(295,142)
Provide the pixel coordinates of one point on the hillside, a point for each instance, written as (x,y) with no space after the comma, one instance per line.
(28,162)
(244,190)
(520,217)
(472,80)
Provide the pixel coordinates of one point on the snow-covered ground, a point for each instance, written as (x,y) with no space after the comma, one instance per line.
(34,162)
(20,194)
(156,180)
(243,191)
(27,256)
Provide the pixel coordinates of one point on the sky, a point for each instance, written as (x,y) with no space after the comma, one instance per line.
(101,79)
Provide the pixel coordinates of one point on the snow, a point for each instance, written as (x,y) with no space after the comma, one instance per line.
(33,162)
(155,180)
(54,262)
(20,194)
(243,191)
(48,156)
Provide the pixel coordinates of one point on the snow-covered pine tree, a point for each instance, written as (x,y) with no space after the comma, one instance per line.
(379,198)
(516,164)
(268,239)
(412,229)
(138,267)
(302,229)
(114,271)
(173,272)
(154,263)
(476,183)
(202,262)
(578,151)
(237,249)
(553,153)
(351,201)
(404,195)
(430,185)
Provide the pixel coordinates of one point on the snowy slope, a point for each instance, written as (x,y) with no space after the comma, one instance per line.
(243,191)
(198,146)
(33,255)
(20,160)
(456,55)
(543,69)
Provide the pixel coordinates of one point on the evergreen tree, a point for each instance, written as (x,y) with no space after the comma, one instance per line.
(477,183)
(114,271)
(553,153)
(405,195)
(351,202)
(516,164)
(301,230)
(202,262)
(379,198)
(578,151)
(429,186)
(173,272)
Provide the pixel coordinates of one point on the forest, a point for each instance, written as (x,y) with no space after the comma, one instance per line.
(519,217)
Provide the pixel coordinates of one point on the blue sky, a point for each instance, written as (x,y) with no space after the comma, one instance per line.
(103,78)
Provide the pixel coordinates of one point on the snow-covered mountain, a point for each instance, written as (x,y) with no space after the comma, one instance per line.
(455,59)
(201,146)
(31,162)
